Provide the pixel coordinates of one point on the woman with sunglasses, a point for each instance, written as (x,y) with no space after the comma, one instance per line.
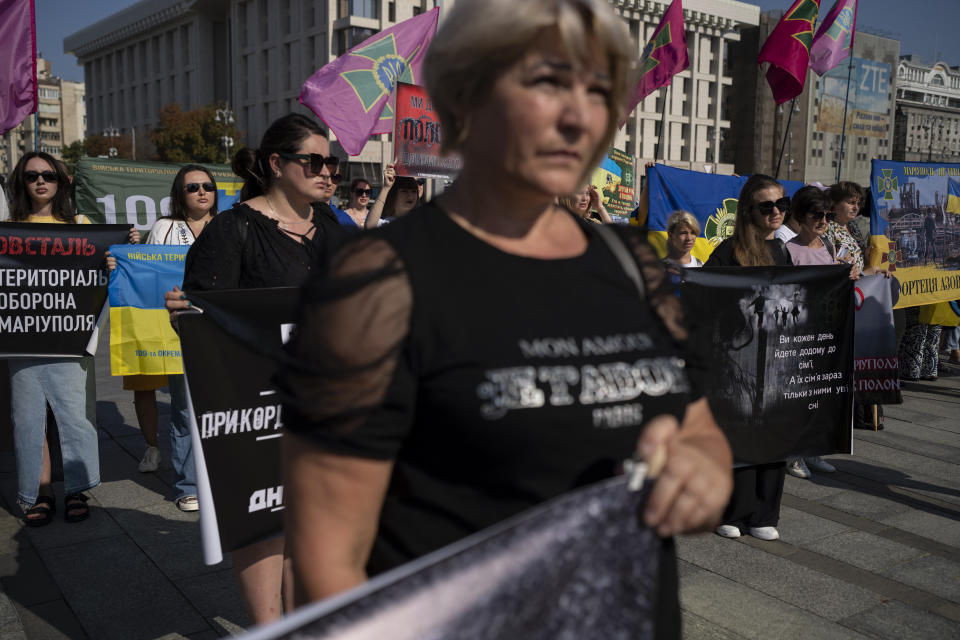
(400,195)
(360,194)
(193,203)
(40,193)
(757,489)
(274,237)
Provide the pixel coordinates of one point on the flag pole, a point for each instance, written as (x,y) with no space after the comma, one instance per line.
(793,103)
(846,100)
(663,122)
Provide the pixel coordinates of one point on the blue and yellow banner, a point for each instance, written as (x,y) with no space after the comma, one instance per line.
(712,199)
(142,342)
(915,229)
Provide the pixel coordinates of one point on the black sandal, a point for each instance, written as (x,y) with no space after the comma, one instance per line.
(42,512)
(76,509)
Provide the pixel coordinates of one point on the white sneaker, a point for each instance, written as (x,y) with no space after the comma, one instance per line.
(188,503)
(728,531)
(765,533)
(151,460)
(819,464)
(798,468)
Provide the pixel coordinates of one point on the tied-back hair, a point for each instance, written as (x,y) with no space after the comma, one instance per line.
(20,206)
(480,39)
(402,182)
(284,135)
(749,241)
(178,200)
(841,191)
(806,200)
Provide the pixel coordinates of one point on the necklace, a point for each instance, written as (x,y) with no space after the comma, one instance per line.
(283,223)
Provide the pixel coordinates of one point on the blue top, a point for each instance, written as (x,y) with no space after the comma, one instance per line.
(344,218)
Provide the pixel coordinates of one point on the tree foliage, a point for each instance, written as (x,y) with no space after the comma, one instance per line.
(192,136)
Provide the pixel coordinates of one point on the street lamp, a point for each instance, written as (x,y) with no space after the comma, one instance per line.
(225,116)
(111,132)
(929,123)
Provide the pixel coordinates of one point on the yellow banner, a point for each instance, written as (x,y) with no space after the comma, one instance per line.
(142,342)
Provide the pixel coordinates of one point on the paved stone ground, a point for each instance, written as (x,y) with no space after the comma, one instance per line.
(872,551)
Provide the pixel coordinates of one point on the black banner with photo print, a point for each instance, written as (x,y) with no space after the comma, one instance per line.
(779,344)
(53,286)
(229,350)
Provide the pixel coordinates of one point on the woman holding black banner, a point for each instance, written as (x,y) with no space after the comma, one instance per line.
(40,193)
(757,489)
(274,237)
(422,409)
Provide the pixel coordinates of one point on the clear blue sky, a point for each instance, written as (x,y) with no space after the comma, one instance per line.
(924,27)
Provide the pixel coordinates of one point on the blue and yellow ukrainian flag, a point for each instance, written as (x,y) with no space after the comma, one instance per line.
(142,342)
(712,199)
(953,196)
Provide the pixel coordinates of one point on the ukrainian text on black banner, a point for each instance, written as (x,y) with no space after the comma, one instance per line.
(779,342)
(53,285)
(229,359)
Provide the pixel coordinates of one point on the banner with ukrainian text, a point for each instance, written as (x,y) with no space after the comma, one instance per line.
(53,286)
(417,137)
(138,193)
(712,199)
(614,180)
(230,350)
(877,374)
(915,230)
(142,342)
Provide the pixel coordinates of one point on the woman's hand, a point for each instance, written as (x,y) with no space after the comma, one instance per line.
(389,175)
(111,261)
(134,236)
(175,300)
(596,203)
(854,272)
(694,486)
(869,271)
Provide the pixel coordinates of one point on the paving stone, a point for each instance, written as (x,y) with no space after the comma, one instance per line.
(866,505)
(929,525)
(797,526)
(863,550)
(894,620)
(696,628)
(60,532)
(170,537)
(217,596)
(931,574)
(11,628)
(51,621)
(806,588)
(752,614)
(25,578)
(12,537)
(822,485)
(141,602)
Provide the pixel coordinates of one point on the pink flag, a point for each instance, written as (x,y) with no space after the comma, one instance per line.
(352,93)
(664,56)
(787,49)
(834,39)
(18,62)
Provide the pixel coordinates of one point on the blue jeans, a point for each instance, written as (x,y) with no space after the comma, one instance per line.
(61,383)
(181,450)
(951,338)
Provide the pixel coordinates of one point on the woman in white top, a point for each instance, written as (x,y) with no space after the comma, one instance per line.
(682,231)
(398,196)
(193,203)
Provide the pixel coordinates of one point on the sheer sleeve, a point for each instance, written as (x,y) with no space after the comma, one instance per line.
(350,387)
(213,261)
(662,294)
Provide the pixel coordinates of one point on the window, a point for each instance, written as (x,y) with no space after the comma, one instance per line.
(349,38)
(359,8)
(264,20)
(242,23)
(285,19)
(185,43)
(392,11)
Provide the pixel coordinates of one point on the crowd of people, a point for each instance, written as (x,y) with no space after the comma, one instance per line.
(405,430)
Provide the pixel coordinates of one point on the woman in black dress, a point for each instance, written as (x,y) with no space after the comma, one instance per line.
(757,489)
(274,237)
(460,361)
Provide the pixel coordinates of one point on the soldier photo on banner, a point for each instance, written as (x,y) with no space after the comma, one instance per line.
(615,181)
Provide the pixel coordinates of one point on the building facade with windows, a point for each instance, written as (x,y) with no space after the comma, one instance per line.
(927,125)
(59,121)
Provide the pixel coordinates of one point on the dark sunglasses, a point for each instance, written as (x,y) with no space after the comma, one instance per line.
(31,176)
(317,161)
(363,192)
(193,187)
(766,207)
(817,215)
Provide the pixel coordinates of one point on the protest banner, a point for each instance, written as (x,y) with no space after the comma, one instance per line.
(614,180)
(229,357)
(915,228)
(779,343)
(712,199)
(53,287)
(876,365)
(868,112)
(417,137)
(580,566)
(142,342)
(137,193)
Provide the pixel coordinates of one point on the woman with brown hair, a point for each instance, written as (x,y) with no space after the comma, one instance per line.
(757,489)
